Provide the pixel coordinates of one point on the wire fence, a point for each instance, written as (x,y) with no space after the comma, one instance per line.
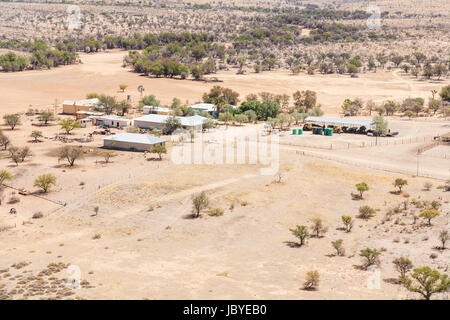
(368,164)
(342,145)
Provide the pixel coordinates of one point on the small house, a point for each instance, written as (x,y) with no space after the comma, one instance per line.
(74,106)
(132,141)
(112,121)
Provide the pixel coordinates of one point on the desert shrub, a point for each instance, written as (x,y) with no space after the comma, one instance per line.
(348,223)
(426,282)
(317,227)
(312,280)
(402,265)
(216,212)
(71,154)
(12,120)
(199,203)
(45,182)
(444,237)
(427,186)
(338,245)
(14,199)
(301,232)
(429,214)
(371,256)
(366,212)
(361,188)
(4,175)
(37,215)
(96,236)
(159,150)
(108,154)
(400,183)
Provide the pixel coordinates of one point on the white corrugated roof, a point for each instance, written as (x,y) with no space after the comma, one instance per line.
(85,102)
(135,138)
(352,122)
(162,109)
(161,118)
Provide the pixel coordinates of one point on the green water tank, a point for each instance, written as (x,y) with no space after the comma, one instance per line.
(300,132)
(294,131)
(328,131)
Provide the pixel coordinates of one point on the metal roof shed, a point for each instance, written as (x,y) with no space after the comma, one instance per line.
(132,141)
(341,122)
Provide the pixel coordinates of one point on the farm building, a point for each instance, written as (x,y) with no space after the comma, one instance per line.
(111,121)
(340,122)
(207,107)
(132,141)
(73,106)
(156,110)
(85,114)
(157,121)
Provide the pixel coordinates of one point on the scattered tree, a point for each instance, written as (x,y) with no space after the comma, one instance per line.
(362,187)
(366,212)
(317,227)
(444,237)
(199,203)
(371,256)
(159,149)
(71,154)
(426,282)
(348,223)
(46,116)
(402,265)
(400,183)
(12,120)
(36,135)
(69,124)
(45,182)
(301,232)
(312,280)
(338,246)
(429,214)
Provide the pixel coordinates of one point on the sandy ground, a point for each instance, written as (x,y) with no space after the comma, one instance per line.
(143,245)
(102,73)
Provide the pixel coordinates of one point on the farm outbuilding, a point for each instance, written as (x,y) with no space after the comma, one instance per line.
(111,121)
(74,106)
(156,110)
(157,121)
(340,122)
(132,141)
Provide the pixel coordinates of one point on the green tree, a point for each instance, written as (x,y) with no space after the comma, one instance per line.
(371,256)
(381,126)
(426,282)
(362,187)
(71,154)
(338,245)
(123,87)
(318,227)
(36,135)
(69,125)
(12,120)
(4,175)
(46,117)
(445,93)
(400,183)
(301,232)
(312,280)
(366,212)
(45,182)
(199,203)
(444,237)
(108,154)
(348,223)
(402,265)
(171,124)
(429,214)
(159,149)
